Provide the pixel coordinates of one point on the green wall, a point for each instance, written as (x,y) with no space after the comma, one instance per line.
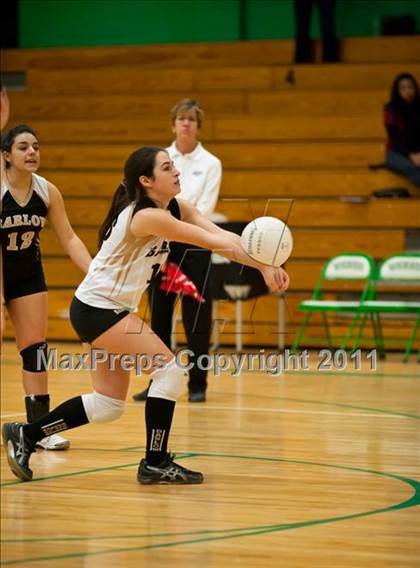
(362,18)
(271,19)
(53,23)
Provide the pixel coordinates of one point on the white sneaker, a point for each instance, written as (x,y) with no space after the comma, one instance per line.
(54,443)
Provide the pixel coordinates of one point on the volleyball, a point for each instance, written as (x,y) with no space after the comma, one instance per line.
(267,240)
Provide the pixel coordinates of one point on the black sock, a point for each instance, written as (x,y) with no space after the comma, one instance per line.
(69,414)
(159,413)
(37,406)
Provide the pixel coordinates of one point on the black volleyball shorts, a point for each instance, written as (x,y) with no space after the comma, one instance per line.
(17,287)
(90,322)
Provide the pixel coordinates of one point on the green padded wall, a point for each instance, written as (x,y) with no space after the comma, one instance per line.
(54,23)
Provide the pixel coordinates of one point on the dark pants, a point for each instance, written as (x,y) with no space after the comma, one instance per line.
(303,51)
(402,165)
(196,317)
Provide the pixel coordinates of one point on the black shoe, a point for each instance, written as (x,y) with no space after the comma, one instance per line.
(197,396)
(167,472)
(19,450)
(141,396)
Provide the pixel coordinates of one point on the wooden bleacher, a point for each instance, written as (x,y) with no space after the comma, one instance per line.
(234,155)
(302,213)
(243,53)
(250,78)
(220,103)
(305,134)
(287,182)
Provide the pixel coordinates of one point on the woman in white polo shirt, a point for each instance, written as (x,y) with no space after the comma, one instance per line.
(201,174)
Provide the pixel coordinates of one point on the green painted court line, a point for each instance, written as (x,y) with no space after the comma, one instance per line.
(340,404)
(86,471)
(135,448)
(117,537)
(71,474)
(353,406)
(371,374)
(414,500)
(329,403)
(129,536)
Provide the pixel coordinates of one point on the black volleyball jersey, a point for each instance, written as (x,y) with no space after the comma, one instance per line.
(20,227)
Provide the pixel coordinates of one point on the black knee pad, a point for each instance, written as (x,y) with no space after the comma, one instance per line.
(35,357)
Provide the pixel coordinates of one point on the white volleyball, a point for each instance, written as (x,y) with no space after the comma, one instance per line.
(267,240)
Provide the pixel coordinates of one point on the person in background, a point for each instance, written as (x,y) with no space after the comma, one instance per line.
(402,123)
(330,45)
(201,175)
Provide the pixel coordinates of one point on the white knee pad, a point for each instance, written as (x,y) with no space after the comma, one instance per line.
(168,382)
(100,408)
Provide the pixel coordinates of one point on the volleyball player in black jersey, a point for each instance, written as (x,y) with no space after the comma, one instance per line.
(28,200)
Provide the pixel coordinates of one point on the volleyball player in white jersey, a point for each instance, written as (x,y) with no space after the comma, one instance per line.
(144,216)
(28,200)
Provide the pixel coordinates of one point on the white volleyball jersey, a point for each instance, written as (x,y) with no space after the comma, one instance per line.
(201,175)
(123,267)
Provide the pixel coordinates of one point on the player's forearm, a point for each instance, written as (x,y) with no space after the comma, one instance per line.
(231,248)
(78,252)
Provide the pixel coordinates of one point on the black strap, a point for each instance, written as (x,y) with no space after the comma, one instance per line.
(174,208)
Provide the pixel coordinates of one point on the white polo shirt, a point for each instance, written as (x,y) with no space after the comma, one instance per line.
(201,174)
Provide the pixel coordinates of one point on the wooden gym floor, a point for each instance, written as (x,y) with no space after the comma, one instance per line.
(309,469)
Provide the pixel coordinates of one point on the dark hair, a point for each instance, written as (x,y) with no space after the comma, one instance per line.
(8,137)
(396,101)
(140,163)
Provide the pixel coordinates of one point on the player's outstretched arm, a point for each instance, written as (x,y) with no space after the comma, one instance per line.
(161,223)
(192,215)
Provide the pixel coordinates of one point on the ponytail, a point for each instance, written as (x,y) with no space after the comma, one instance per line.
(119,202)
(140,163)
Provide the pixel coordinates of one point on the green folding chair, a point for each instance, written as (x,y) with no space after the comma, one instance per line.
(402,270)
(345,267)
